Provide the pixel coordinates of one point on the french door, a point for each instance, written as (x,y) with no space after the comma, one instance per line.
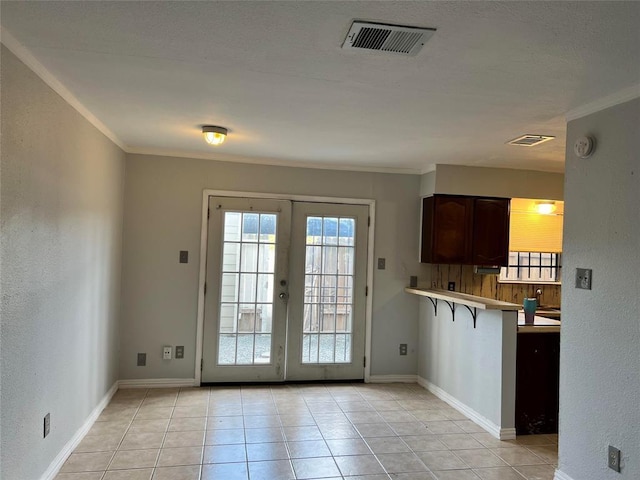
(326,327)
(285,291)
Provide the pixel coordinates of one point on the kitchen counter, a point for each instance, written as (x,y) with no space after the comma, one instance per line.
(467,355)
(540,325)
(464,299)
(472,364)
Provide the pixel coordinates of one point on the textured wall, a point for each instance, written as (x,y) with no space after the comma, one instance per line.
(600,343)
(61,221)
(163,208)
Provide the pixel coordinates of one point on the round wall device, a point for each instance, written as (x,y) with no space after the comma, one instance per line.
(583,147)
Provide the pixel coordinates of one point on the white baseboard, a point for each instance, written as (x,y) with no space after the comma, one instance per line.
(57,463)
(559,475)
(158,383)
(393,379)
(488,425)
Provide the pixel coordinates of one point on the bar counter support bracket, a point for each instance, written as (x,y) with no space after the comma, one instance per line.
(474,314)
(451,306)
(434,302)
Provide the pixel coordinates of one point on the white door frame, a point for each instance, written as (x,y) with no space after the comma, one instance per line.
(294,198)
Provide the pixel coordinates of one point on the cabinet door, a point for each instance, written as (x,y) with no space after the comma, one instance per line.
(452,224)
(537,383)
(490,231)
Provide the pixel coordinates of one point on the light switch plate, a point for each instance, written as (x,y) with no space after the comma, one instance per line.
(184,256)
(142,359)
(179,351)
(583,278)
(382,263)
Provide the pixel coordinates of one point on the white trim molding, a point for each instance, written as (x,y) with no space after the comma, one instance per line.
(560,475)
(617,98)
(159,383)
(393,379)
(488,425)
(70,446)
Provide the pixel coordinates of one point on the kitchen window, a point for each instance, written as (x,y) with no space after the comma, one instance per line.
(532,267)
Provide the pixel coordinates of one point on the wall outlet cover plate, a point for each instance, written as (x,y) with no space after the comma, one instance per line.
(166,353)
(47,424)
(613,458)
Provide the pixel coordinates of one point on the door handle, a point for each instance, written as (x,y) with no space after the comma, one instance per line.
(283,295)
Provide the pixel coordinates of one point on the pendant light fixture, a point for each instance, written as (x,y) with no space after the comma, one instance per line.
(214,135)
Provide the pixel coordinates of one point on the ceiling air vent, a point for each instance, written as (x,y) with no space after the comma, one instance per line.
(386,38)
(530,140)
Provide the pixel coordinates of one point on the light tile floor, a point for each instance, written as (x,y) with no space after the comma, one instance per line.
(335,431)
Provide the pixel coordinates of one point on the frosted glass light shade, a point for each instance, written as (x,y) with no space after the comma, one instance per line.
(546,208)
(214,135)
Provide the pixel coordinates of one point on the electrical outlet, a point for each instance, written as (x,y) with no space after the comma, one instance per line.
(180,351)
(142,359)
(614,458)
(47,424)
(583,278)
(166,352)
(382,263)
(403,349)
(184,256)
(451,286)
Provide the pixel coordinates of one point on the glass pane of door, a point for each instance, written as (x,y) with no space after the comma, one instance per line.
(328,295)
(247,279)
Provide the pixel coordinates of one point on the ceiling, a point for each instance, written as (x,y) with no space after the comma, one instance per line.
(274,74)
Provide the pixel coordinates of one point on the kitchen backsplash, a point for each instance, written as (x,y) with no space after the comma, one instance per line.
(487,285)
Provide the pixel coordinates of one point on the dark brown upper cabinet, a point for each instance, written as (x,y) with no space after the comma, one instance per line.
(465,230)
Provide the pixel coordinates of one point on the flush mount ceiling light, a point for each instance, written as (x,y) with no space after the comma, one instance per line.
(214,135)
(530,140)
(546,208)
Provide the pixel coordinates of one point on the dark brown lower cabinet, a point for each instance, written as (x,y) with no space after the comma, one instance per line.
(537,383)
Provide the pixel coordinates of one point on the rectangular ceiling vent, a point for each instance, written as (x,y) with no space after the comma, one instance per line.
(386,38)
(530,140)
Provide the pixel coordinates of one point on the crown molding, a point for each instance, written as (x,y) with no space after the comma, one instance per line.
(428,169)
(617,98)
(26,57)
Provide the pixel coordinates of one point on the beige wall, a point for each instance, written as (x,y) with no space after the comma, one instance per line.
(498,182)
(60,251)
(163,208)
(600,348)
